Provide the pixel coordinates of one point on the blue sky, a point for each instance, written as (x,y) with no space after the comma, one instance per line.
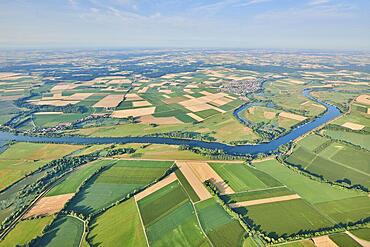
(307,24)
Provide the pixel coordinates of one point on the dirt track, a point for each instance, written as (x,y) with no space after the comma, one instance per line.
(172,177)
(264,201)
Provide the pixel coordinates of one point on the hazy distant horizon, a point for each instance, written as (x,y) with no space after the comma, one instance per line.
(204,24)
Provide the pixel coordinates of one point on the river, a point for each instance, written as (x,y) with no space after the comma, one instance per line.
(331,113)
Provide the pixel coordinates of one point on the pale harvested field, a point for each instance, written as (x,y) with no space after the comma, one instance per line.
(7,74)
(292,116)
(221,102)
(55,102)
(141,103)
(119,81)
(143,90)
(269,114)
(324,241)
(295,81)
(194,116)
(169,76)
(188,90)
(166,91)
(204,172)
(200,104)
(188,96)
(193,180)
(48,205)
(112,100)
(133,112)
(157,186)
(49,113)
(353,126)
(364,99)
(166,96)
(160,120)
(264,201)
(132,97)
(62,87)
(78,96)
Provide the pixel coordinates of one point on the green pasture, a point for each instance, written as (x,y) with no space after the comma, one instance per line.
(286,217)
(255,195)
(64,231)
(126,218)
(241,177)
(304,186)
(220,227)
(343,240)
(25,231)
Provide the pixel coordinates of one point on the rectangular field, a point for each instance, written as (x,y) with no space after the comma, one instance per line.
(116,182)
(240,177)
(285,217)
(125,217)
(169,219)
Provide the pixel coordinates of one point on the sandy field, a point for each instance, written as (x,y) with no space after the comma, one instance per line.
(264,201)
(133,112)
(193,180)
(194,116)
(143,90)
(62,87)
(166,96)
(200,104)
(169,76)
(292,116)
(204,172)
(364,99)
(48,205)
(160,120)
(157,186)
(269,115)
(49,113)
(55,102)
(166,91)
(188,96)
(141,103)
(324,241)
(112,100)
(78,96)
(132,97)
(353,126)
(7,74)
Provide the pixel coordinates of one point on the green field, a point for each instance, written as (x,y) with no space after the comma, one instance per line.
(304,186)
(126,218)
(302,243)
(285,217)
(343,240)
(362,140)
(185,184)
(346,210)
(73,181)
(64,231)
(220,227)
(255,195)
(25,231)
(363,233)
(115,183)
(334,161)
(169,218)
(22,158)
(241,177)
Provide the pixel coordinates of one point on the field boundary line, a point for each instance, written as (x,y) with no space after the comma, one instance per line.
(200,225)
(142,223)
(84,233)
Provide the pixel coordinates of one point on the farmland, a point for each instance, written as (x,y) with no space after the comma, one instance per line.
(116,182)
(194,192)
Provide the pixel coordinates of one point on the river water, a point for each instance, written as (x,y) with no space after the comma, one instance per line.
(331,113)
